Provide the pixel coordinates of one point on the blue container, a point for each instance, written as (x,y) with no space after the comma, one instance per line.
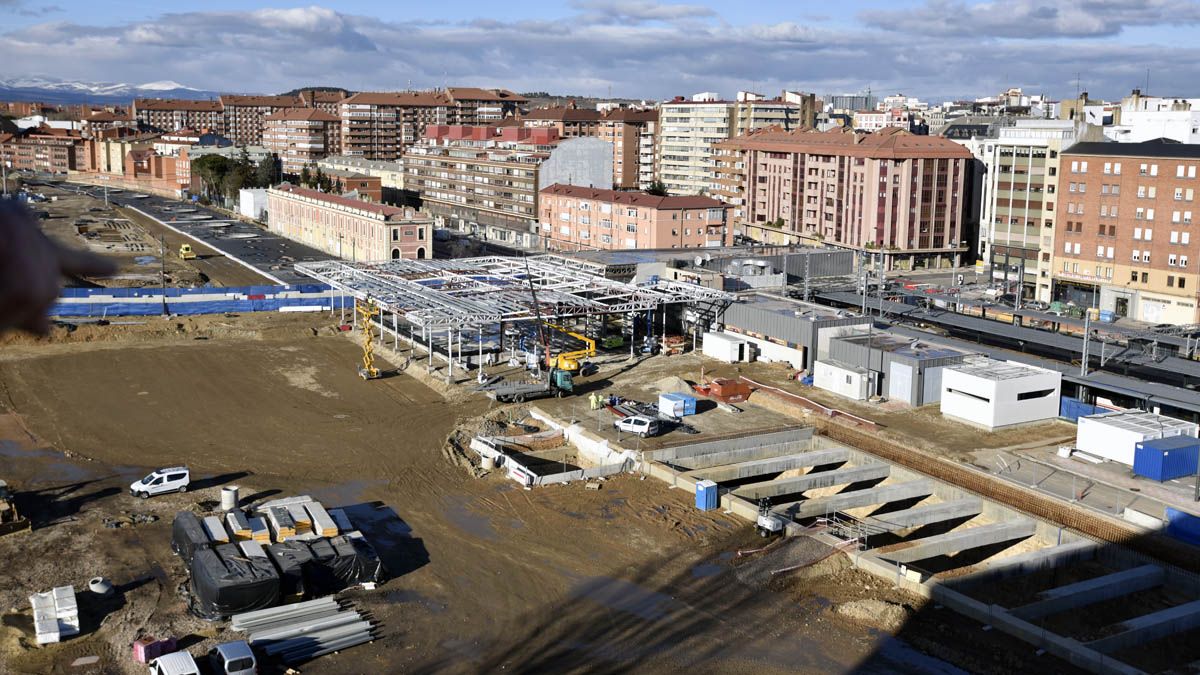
(707,498)
(680,405)
(1163,459)
(1107,316)
(1183,526)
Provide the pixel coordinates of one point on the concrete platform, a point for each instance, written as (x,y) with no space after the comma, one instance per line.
(840,502)
(962,540)
(928,514)
(1091,591)
(811,481)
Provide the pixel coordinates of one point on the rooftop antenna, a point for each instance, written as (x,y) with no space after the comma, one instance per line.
(1147,81)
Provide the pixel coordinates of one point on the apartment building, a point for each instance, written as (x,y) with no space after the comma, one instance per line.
(1017,194)
(244,116)
(42,149)
(631,133)
(486,179)
(875,120)
(390,174)
(301,136)
(688,130)
(326,100)
(348,228)
(891,192)
(575,218)
(379,125)
(171,114)
(1124,226)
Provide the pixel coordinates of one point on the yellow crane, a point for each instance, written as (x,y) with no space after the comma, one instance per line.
(367,310)
(569,361)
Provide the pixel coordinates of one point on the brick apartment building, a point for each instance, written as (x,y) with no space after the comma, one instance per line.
(379,125)
(168,114)
(348,228)
(487,179)
(631,133)
(301,136)
(585,218)
(329,101)
(1124,229)
(367,188)
(891,192)
(244,117)
(41,149)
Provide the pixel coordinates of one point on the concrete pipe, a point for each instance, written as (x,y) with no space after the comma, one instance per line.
(229,498)
(100,586)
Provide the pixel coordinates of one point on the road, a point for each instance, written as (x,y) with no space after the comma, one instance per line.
(265,257)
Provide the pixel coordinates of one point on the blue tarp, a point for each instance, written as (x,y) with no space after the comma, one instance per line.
(1073,409)
(183,292)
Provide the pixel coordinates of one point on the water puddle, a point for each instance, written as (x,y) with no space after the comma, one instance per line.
(57,466)
(404,596)
(470,522)
(705,570)
(341,494)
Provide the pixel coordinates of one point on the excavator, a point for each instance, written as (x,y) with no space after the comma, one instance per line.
(570,361)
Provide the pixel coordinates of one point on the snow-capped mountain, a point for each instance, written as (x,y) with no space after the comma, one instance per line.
(52,90)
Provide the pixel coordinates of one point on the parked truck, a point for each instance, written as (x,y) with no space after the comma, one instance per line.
(555,382)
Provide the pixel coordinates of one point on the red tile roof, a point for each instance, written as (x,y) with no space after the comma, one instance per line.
(633,198)
(563,114)
(399,98)
(262,101)
(176,104)
(890,143)
(384,210)
(476,94)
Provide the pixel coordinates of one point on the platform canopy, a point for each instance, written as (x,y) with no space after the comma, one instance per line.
(477,292)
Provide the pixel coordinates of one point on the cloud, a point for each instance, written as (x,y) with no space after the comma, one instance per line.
(678,53)
(638,11)
(1033,18)
(22,8)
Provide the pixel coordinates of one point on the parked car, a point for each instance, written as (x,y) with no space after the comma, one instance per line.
(162,481)
(176,663)
(233,658)
(638,424)
(1037,305)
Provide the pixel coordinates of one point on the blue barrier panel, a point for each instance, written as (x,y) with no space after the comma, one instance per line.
(1072,409)
(217,305)
(1183,526)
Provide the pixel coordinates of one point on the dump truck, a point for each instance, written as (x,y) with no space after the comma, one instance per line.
(186,252)
(10,520)
(555,382)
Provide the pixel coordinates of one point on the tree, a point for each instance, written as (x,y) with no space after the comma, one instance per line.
(324,183)
(657,188)
(264,173)
(305,176)
(212,170)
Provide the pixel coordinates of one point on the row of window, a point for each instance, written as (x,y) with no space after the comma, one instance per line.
(1144,169)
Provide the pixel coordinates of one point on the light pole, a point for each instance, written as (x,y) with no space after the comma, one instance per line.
(4,176)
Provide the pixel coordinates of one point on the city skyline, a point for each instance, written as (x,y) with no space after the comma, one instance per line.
(934,49)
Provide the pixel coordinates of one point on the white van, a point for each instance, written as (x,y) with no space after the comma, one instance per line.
(162,481)
(637,424)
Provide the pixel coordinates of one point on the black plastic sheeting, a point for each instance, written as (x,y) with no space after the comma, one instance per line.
(225,582)
(290,558)
(188,535)
(323,566)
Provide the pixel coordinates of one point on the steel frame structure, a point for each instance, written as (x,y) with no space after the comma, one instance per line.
(476,292)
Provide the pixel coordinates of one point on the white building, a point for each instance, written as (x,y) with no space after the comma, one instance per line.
(1146,125)
(252,203)
(996,394)
(1115,435)
(843,379)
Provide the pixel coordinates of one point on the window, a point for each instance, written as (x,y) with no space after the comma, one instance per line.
(1083,167)
(1108,167)
(1103,210)
(1030,395)
(1170,281)
(1137,233)
(1182,282)
(1112,211)
(1116,189)
(1100,251)
(1153,169)
(1075,167)
(1141,192)
(1179,171)
(1076,248)
(1109,254)
(1145,277)
(1191,174)
(1145,256)
(564,216)
(1133,276)
(1185,237)
(1070,207)
(632,213)
(1140,214)
(1104,188)
(1142,171)
(1137,255)
(1066,247)
(1187,217)
(1171,260)
(583,206)
(1083,187)
(1152,192)
(1175,216)
(1187,194)
(395,234)
(1183,261)
(1178,194)
(1174,237)
(1149,234)
(1072,187)
(1117,169)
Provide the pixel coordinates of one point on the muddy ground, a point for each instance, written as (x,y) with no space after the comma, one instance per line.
(487,577)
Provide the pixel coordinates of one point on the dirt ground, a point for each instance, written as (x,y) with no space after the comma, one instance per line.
(487,577)
(133,242)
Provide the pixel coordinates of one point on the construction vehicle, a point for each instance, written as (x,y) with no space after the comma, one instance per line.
(570,360)
(186,252)
(767,524)
(10,520)
(366,312)
(555,382)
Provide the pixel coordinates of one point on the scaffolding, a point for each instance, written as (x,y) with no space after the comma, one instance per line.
(478,292)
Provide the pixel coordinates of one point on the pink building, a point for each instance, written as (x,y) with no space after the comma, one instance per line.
(586,218)
(348,228)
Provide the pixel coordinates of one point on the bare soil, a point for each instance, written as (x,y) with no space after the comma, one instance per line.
(487,577)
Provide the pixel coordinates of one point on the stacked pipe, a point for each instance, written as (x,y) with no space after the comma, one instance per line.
(305,630)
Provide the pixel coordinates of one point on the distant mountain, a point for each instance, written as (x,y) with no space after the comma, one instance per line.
(51,90)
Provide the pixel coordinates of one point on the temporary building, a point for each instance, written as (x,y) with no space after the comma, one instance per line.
(1115,435)
(1163,459)
(840,378)
(676,405)
(727,348)
(994,394)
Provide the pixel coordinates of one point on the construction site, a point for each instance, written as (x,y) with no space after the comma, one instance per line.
(570,464)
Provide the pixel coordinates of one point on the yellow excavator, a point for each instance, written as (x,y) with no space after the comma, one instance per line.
(367,311)
(570,361)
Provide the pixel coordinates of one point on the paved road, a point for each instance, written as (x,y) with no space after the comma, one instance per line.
(268,253)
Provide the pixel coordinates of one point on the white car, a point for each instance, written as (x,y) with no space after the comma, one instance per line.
(177,663)
(162,481)
(637,424)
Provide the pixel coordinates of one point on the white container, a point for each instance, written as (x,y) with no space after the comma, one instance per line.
(841,379)
(229,498)
(994,394)
(1113,436)
(723,347)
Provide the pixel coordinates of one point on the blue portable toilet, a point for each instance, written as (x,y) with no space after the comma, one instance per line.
(707,498)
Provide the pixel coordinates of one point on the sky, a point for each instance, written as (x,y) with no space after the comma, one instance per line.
(934,49)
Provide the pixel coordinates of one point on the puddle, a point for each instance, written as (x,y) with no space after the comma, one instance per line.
(628,597)
(726,556)
(404,596)
(704,570)
(469,522)
(145,260)
(516,524)
(58,468)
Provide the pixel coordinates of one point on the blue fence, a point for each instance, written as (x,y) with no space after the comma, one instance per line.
(201,290)
(1072,409)
(105,302)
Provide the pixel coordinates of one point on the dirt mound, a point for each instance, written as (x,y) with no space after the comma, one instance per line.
(672,384)
(877,613)
(784,557)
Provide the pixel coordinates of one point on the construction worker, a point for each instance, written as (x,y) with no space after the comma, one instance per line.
(593,402)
